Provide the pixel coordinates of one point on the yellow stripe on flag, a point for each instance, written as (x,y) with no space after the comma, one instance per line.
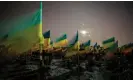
(46,42)
(62,43)
(105,46)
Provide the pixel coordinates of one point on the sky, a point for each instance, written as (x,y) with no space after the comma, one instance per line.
(101,20)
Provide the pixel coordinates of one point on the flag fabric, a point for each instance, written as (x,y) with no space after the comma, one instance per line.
(109,42)
(87,44)
(35,47)
(51,44)
(74,43)
(95,45)
(113,47)
(73,47)
(61,41)
(25,33)
(46,36)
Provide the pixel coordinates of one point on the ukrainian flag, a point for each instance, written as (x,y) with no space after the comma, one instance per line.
(46,36)
(113,47)
(109,42)
(61,41)
(73,47)
(51,44)
(25,32)
(87,44)
(74,43)
(95,45)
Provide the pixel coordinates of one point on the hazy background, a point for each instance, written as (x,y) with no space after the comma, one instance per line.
(101,19)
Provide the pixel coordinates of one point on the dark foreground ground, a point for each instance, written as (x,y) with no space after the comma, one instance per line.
(27,67)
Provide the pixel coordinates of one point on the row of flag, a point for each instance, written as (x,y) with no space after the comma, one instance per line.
(75,44)
(61,41)
(27,33)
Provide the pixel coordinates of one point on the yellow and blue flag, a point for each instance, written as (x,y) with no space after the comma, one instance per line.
(74,43)
(86,45)
(61,41)
(73,46)
(113,47)
(95,45)
(51,44)
(109,42)
(46,36)
(25,33)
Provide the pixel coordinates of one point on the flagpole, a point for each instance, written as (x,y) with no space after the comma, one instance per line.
(41,70)
(40,36)
(78,57)
(78,62)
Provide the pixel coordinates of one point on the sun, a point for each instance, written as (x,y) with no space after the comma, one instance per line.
(83,32)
